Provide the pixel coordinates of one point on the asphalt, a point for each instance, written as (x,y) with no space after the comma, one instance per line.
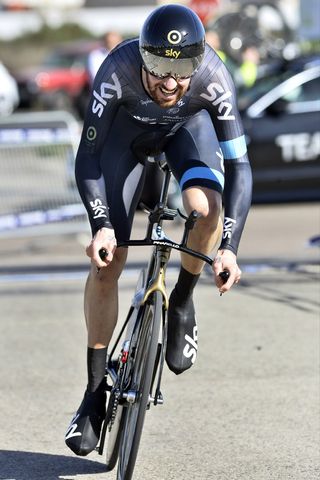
(247,410)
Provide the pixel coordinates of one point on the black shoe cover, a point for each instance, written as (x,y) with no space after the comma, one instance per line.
(84,431)
(182,343)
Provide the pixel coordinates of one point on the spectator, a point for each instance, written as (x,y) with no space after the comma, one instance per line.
(110,40)
(214,41)
(248,70)
(9,93)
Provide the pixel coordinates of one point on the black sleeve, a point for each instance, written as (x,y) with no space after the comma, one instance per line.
(91,186)
(103,106)
(237,201)
(220,100)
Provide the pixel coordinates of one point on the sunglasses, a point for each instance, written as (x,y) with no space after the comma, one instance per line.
(161,76)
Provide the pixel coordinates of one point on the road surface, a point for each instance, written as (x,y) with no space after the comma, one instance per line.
(247,410)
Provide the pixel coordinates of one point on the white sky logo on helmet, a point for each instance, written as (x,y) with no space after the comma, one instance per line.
(174,37)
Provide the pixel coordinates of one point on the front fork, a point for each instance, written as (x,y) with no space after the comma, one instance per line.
(157,282)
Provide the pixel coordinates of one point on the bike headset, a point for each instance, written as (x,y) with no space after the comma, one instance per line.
(172,42)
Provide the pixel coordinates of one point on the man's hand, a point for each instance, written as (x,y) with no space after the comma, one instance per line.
(104,238)
(226,260)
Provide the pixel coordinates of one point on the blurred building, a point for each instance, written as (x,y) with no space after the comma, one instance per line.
(309,27)
(127,16)
(118,3)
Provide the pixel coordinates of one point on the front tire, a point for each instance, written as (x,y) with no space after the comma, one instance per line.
(145,355)
(116,411)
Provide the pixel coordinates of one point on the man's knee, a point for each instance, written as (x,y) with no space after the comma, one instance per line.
(206,202)
(109,275)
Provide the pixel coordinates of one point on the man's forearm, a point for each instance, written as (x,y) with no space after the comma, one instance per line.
(237,201)
(91,186)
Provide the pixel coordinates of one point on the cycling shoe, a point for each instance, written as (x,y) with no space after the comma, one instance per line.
(182,338)
(83,433)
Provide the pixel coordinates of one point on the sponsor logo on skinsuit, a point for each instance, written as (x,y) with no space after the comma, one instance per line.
(218,97)
(99,210)
(107,91)
(227,227)
(91,133)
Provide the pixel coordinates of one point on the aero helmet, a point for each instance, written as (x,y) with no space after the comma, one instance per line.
(172,42)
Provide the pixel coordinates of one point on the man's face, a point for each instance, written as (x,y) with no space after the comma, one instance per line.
(167,91)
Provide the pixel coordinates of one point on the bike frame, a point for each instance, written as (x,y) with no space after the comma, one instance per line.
(154,281)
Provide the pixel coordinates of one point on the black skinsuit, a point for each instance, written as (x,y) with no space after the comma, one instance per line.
(202,137)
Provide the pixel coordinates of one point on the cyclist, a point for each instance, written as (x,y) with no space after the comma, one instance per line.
(165,92)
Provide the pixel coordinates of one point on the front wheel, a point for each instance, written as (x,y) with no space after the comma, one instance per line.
(144,359)
(115,416)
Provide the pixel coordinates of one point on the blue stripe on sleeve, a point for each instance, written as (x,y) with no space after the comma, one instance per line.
(235,148)
(203,172)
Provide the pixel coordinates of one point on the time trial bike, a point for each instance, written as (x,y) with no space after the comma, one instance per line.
(135,363)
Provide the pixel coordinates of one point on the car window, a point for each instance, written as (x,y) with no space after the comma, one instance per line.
(298,93)
(304,97)
(247,96)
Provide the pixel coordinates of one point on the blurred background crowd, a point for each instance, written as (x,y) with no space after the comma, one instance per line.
(50,51)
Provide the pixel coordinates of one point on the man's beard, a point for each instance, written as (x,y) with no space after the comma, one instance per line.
(160,99)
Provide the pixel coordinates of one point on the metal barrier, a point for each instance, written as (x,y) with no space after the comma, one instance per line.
(37,152)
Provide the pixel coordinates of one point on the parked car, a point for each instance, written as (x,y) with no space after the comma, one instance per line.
(281,116)
(61,82)
(9,95)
